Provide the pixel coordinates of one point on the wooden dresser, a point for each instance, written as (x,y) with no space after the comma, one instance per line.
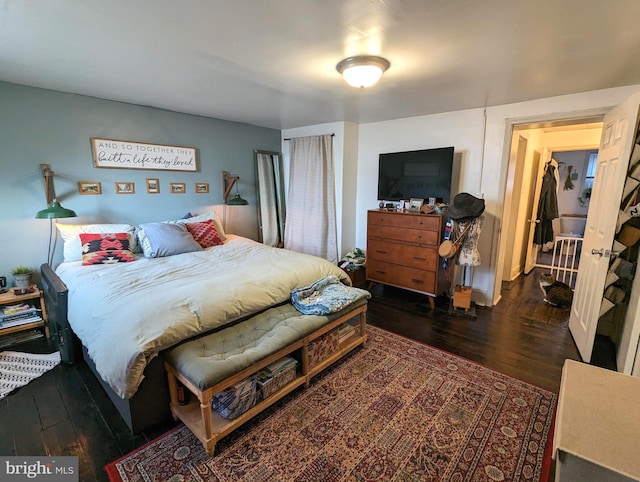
(402,251)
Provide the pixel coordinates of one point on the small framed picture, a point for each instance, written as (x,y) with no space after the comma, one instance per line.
(153,185)
(177,187)
(202,187)
(89,187)
(415,204)
(125,188)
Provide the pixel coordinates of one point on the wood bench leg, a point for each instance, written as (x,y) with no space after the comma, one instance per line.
(210,448)
(173,393)
(363,324)
(210,439)
(305,365)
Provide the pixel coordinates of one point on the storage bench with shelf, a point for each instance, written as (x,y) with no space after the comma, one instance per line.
(213,363)
(29,311)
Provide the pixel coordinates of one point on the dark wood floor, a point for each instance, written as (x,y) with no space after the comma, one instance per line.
(66,412)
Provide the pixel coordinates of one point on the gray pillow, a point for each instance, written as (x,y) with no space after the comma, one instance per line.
(164,239)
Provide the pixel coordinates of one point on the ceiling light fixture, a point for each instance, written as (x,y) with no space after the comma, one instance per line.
(362,70)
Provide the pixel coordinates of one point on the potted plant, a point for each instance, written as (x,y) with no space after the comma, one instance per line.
(22,276)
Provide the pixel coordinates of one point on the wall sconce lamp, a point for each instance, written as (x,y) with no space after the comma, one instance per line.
(228,181)
(362,70)
(54,209)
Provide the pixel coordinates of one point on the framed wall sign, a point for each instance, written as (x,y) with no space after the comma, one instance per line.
(115,154)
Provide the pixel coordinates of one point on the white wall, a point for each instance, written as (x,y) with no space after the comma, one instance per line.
(463,130)
(482,157)
(349,189)
(517,195)
(568,202)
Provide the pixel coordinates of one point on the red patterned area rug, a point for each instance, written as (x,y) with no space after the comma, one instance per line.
(395,409)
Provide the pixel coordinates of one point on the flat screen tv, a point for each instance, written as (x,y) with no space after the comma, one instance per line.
(416,174)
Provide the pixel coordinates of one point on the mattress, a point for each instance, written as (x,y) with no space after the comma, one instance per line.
(126,313)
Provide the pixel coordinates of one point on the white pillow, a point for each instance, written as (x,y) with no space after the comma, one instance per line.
(70,234)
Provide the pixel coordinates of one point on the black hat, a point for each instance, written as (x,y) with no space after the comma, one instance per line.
(465,205)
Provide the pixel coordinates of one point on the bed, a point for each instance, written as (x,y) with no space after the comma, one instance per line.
(125,314)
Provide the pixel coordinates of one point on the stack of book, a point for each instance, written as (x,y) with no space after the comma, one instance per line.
(20,314)
(345,332)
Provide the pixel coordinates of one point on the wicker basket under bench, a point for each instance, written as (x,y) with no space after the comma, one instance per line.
(210,364)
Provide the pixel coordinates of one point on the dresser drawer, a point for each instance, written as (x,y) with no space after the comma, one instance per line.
(404,220)
(403,254)
(401,276)
(426,238)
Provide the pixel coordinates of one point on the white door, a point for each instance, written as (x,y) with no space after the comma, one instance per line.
(532,248)
(618,133)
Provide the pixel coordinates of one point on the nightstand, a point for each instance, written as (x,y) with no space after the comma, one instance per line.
(36,299)
(358,276)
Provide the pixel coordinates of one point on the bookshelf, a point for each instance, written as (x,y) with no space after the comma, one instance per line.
(30,321)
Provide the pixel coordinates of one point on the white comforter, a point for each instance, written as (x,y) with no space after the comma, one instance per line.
(126,313)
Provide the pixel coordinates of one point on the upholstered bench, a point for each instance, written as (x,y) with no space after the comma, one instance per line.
(212,363)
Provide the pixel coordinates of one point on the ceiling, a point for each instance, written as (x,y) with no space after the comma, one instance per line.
(272,62)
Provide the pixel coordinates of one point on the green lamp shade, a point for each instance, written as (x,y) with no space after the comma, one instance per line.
(55,211)
(237,201)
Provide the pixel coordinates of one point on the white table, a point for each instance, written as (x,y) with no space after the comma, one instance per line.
(597,432)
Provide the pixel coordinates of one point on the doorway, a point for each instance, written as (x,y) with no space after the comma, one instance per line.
(574,174)
(611,210)
(532,147)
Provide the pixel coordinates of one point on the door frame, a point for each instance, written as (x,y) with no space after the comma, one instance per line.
(538,169)
(546,156)
(500,244)
(513,196)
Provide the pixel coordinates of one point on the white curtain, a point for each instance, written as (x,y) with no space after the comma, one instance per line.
(311,205)
(267,193)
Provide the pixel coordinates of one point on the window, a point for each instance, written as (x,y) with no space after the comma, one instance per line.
(592,163)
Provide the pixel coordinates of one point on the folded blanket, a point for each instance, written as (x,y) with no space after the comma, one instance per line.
(327,295)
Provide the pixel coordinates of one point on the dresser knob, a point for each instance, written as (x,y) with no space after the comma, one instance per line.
(417,281)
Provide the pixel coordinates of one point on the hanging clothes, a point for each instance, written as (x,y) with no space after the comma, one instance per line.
(547,206)
(469,254)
